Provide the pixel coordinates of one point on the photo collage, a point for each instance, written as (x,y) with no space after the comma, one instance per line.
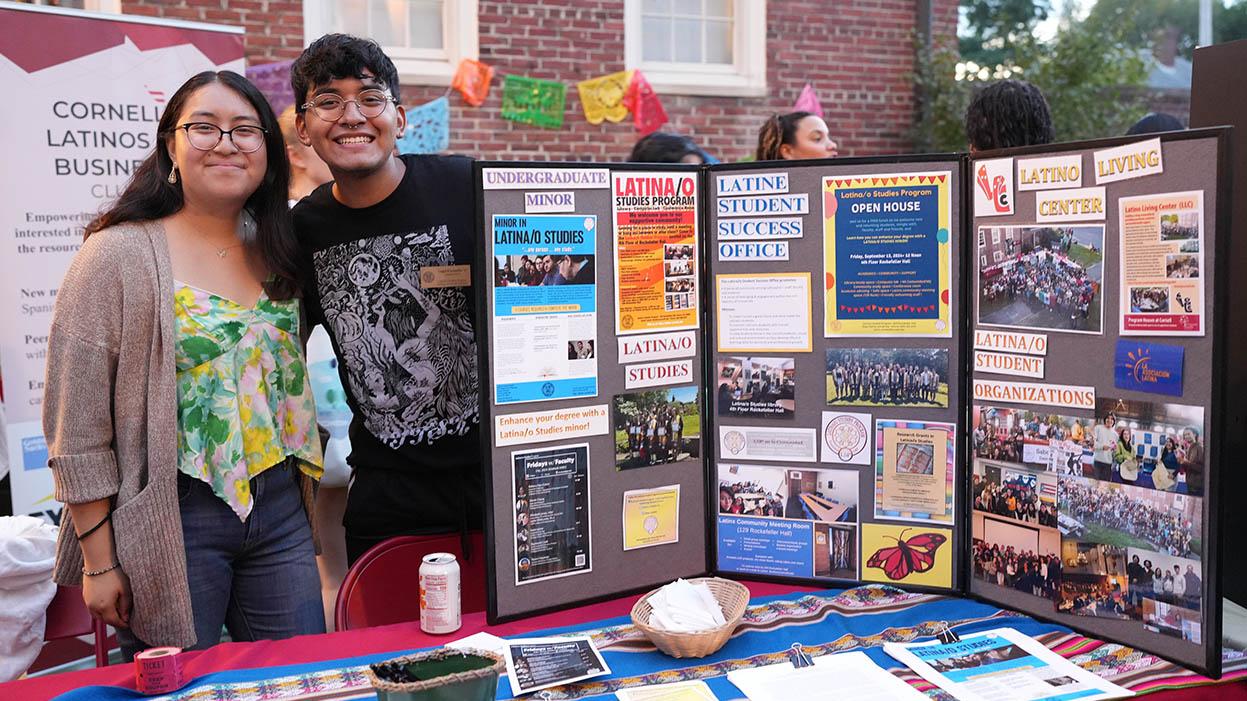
(679,276)
(1088,497)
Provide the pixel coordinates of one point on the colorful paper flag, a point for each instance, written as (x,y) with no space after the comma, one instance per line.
(533,101)
(807,101)
(472,80)
(647,110)
(602,97)
(428,128)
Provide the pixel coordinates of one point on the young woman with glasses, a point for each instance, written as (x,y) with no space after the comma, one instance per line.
(180,422)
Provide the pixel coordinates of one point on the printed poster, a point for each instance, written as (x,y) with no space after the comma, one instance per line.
(1162,263)
(550,491)
(545,307)
(914,470)
(907,555)
(763,313)
(651,517)
(655,252)
(887,255)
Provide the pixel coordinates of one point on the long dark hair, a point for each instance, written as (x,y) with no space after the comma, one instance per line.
(150,196)
(780,129)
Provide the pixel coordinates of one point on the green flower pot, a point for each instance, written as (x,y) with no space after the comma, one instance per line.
(438,675)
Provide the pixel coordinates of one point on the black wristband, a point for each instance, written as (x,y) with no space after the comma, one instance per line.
(108,517)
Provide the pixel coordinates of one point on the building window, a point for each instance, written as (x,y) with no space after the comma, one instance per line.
(982,239)
(425,38)
(698,47)
(997,256)
(996,237)
(983,261)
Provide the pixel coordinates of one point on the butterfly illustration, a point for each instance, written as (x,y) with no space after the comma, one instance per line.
(914,555)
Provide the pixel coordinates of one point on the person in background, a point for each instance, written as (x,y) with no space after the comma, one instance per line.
(1155,122)
(308,172)
(1006,114)
(180,423)
(661,147)
(385,247)
(795,136)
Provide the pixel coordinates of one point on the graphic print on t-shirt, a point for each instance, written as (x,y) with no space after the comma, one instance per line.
(409,353)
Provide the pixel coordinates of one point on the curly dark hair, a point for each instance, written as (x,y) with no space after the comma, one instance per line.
(778,130)
(335,56)
(1006,114)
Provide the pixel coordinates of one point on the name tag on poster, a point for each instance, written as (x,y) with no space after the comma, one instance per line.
(434,276)
(1149,367)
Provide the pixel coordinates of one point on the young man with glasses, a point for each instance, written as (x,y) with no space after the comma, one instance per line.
(388,246)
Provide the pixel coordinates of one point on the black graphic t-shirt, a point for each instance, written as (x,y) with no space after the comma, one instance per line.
(407,349)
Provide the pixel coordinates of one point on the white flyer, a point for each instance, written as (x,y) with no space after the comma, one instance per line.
(1002,665)
(848,675)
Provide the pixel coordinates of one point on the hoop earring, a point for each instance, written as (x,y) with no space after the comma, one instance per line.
(173,175)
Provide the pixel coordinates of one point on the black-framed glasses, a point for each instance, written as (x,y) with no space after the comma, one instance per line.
(204,136)
(330,107)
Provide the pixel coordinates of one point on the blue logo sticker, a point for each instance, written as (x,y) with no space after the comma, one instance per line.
(548,389)
(1149,367)
(34,453)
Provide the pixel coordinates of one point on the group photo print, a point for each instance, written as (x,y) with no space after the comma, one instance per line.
(1094,581)
(543,270)
(1043,278)
(887,377)
(1135,517)
(761,388)
(1155,445)
(657,427)
(1017,494)
(1016,555)
(1038,440)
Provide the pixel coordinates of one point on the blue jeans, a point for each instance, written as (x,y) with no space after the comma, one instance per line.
(257,577)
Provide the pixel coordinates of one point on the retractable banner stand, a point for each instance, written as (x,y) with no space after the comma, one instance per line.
(591,377)
(1097,406)
(835,341)
(86,91)
(1000,376)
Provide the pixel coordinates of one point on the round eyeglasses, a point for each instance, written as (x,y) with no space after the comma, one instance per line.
(205,136)
(330,107)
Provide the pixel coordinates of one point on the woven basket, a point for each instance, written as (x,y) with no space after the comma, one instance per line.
(733,597)
(475,685)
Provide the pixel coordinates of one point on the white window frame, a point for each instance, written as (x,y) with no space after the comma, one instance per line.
(460,39)
(746,77)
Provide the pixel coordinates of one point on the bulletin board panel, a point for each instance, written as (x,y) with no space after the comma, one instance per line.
(1096,407)
(834,376)
(595,482)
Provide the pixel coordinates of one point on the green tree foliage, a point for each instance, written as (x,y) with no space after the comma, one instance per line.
(1141,24)
(993,27)
(1092,82)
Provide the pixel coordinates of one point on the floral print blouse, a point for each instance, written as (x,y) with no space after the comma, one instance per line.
(244,399)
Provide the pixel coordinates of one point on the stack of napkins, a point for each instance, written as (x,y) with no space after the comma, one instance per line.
(681,607)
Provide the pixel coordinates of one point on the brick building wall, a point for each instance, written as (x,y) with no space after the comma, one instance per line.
(857,54)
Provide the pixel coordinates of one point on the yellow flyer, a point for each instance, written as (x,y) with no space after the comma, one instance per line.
(651,517)
(907,555)
(887,255)
(655,217)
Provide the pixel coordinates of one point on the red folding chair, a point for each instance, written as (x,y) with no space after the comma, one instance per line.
(383,586)
(68,617)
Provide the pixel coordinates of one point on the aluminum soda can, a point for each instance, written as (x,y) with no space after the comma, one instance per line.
(440,590)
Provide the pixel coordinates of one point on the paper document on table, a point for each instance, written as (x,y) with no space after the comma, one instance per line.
(480,641)
(849,675)
(1002,665)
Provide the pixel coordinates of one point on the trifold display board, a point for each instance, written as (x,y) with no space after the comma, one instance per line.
(995,375)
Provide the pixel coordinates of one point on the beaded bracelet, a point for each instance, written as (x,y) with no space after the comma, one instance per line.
(94,573)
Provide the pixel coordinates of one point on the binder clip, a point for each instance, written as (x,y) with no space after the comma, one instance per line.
(800,659)
(946,635)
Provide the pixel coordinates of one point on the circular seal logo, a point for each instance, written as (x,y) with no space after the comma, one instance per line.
(547,389)
(846,436)
(626,321)
(426,278)
(734,441)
